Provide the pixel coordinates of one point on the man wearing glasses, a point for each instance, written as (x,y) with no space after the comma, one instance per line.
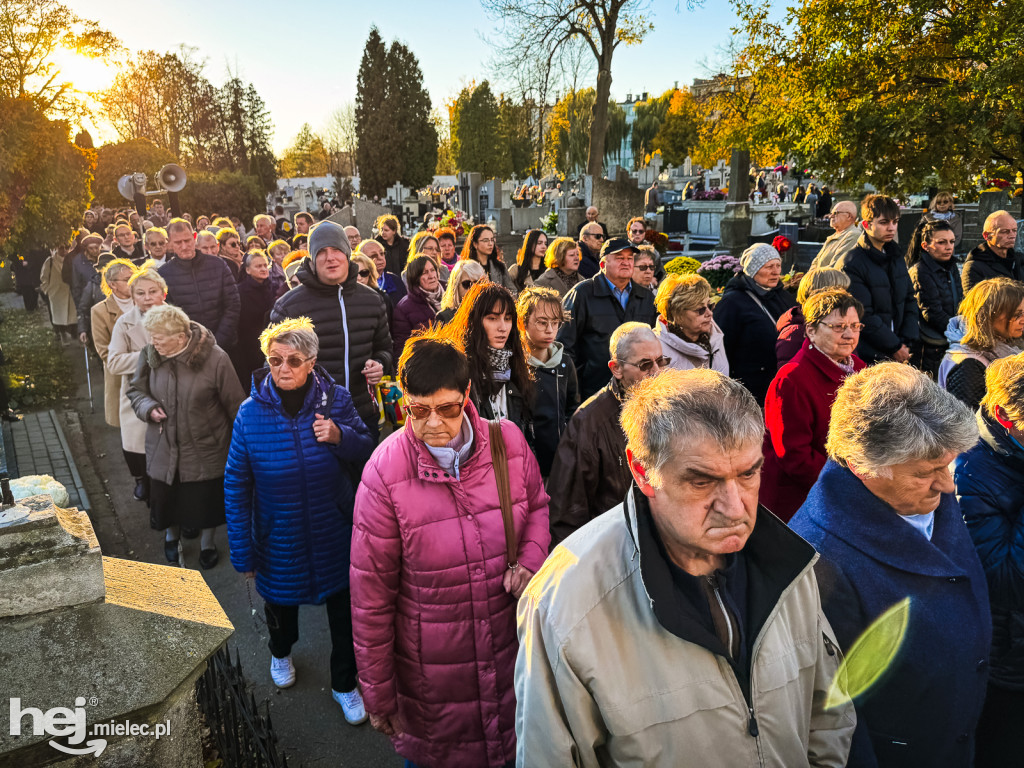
(590,241)
(597,307)
(995,257)
(590,463)
(843,219)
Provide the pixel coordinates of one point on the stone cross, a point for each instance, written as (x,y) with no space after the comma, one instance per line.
(656,163)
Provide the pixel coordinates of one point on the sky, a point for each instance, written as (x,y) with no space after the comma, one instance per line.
(303,57)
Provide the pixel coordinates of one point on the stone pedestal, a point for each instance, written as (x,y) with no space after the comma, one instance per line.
(735,228)
(570,220)
(502,219)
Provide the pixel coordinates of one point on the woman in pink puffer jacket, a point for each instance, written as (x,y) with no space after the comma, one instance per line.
(433,598)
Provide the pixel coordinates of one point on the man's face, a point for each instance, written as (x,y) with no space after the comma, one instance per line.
(264,230)
(332,265)
(592,237)
(92,250)
(638,357)
(882,229)
(158,208)
(591,213)
(353,236)
(842,217)
(301,225)
(915,486)
(618,266)
(156,245)
(706,506)
(636,232)
(182,243)
(207,243)
(1004,233)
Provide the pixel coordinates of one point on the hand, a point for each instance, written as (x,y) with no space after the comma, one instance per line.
(326,431)
(515,580)
(83,337)
(901,355)
(249,574)
(373,371)
(389,726)
(157,414)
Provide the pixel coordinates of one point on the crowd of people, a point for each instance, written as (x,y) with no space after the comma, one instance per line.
(621,520)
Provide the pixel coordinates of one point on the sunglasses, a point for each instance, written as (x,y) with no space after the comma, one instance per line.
(293,361)
(645,267)
(596,237)
(703,310)
(419,412)
(364,273)
(646,365)
(232,244)
(467,284)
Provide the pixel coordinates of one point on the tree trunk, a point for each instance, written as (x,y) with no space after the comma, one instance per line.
(599,120)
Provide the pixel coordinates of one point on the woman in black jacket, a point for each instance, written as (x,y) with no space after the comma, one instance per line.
(751,306)
(556,391)
(396,247)
(256,297)
(482,247)
(937,288)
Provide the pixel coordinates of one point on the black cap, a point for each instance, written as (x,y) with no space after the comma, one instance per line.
(617,245)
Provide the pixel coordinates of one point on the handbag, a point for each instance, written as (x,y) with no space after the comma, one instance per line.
(499,458)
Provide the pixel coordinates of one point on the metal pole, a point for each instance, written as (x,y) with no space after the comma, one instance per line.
(88,377)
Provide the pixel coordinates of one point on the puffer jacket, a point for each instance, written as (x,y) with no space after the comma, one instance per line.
(880,281)
(412,313)
(288,497)
(688,354)
(982,264)
(434,630)
(204,288)
(397,254)
(990,487)
(594,314)
(938,292)
(200,394)
(351,322)
(615,669)
(556,396)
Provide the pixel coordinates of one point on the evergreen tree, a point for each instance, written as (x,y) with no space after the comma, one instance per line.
(416,137)
(516,126)
(477,132)
(376,129)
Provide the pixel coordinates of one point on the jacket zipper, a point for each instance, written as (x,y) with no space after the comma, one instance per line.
(305,505)
(752,728)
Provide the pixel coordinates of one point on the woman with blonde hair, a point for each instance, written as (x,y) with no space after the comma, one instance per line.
(689,336)
(465,275)
(425,244)
(989,326)
(562,260)
(792,324)
(943,208)
(127,340)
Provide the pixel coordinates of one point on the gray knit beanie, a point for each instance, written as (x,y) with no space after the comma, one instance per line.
(756,256)
(327,234)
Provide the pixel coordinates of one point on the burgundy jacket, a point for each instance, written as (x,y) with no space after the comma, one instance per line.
(796,413)
(412,313)
(791,334)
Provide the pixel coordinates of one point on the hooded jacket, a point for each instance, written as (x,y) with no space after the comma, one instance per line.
(689,354)
(982,264)
(924,710)
(615,669)
(556,397)
(204,288)
(200,394)
(938,291)
(990,487)
(351,322)
(433,628)
(288,497)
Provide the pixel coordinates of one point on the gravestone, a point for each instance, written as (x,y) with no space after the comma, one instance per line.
(735,223)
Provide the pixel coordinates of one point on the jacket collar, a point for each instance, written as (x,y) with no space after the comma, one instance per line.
(427,468)
(890,250)
(264,391)
(982,252)
(814,356)
(602,287)
(841,504)
(995,436)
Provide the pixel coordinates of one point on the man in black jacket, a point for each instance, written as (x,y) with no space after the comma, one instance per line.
(201,285)
(597,307)
(590,243)
(995,257)
(880,281)
(351,320)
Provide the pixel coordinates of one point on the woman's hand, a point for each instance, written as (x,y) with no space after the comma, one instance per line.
(326,431)
(515,580)
(389,726)
(157,414)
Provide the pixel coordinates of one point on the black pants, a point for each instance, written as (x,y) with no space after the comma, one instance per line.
(136,462)
(999,740)
(283,623)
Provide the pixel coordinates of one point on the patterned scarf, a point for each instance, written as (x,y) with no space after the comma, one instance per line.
(501,363)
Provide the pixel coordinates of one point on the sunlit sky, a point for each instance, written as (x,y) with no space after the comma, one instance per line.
(303,57)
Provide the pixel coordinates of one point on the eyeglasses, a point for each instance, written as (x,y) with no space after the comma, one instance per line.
(364,273)
(645,267)
(293,361)
(704,310)
(418,412)
(637,231)
(232,244)
(596,237)
(844,327)
(467,284)
(645,365)
(485,240)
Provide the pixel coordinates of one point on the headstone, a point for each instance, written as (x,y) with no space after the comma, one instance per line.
(735,223)
(739,172)
(469,193)
(656,164)
(687,166)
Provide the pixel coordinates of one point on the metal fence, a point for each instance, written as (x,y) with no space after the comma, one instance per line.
(244,736)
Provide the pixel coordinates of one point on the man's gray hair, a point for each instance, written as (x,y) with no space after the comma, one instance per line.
(677,408)
(891,413)
(625,336)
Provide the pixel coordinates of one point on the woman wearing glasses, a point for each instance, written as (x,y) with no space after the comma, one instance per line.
(433,594)
(687,331)
(367,275)
(799,402)
(420,306)
(464,276)
(388,282)
(289,488)
(482,247)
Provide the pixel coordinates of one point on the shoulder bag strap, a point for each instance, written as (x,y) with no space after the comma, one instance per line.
(499,458)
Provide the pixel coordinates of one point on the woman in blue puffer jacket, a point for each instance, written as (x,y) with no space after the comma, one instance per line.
(289,488)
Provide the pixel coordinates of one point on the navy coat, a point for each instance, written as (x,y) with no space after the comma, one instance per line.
(289,498)
(925,707)
(990,487)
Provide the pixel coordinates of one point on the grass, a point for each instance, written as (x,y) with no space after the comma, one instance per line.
(39,375)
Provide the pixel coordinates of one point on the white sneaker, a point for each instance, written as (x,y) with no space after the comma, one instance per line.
(282,671)
(351,705)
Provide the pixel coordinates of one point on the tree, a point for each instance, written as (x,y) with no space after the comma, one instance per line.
(677,135)
(567,141)
(598,25)
(340,138)
(307,156)
(647,119)
(33,31)
(445,153)
(229,193)
(618,130)
(515,126)
(115,160)
(410,109)
(476,136)
(44,178)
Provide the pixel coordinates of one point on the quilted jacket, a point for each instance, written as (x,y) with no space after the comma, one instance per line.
(434,630)
(289,498)
(204,288)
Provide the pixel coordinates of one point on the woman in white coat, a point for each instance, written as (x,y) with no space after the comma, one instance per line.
(129,337)
(63,315)
(689,336)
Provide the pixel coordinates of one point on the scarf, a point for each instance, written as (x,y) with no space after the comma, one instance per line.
(568,279)
(501,363)
(124,304)
(755,287)
(433,298)
(703,340)
(846,366)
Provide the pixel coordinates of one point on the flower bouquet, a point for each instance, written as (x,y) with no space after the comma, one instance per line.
(658,239)
(719,270)
(549,223)
(682,265)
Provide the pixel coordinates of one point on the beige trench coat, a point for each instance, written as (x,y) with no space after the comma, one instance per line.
(104,315)
(127,340)
(58,293)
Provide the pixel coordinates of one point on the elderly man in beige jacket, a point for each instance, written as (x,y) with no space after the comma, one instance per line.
(844,221)
(683,627)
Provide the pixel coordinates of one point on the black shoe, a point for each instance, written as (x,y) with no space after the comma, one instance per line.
(141,492)
(190,533)
(171,551)
(208,558)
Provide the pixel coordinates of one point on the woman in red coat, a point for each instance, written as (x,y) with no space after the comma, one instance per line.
(799,401)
